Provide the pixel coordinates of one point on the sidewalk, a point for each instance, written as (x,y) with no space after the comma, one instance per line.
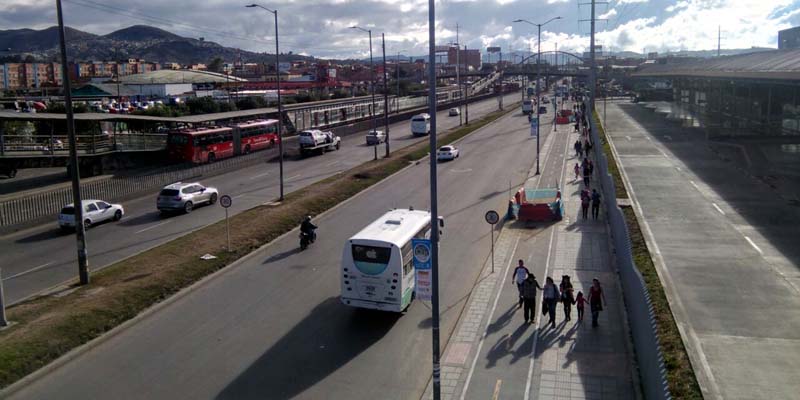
(494,354)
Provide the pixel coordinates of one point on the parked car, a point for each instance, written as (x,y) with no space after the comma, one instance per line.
(447,153)
(94,212)
(454,112)
(184,197)
(375,137)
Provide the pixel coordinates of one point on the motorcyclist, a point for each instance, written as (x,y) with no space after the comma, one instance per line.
(307,228)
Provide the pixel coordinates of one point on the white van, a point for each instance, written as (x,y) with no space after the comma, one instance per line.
(421,125)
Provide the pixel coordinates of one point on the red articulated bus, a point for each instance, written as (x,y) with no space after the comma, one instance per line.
(208,144)
(257,135)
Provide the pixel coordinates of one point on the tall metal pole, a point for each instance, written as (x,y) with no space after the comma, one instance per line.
(458,73)
(466,97)
(80,229)
(385,95)
(434,207)
(538,103)
(280,104)
(372,68)
(397,64)
(593,71)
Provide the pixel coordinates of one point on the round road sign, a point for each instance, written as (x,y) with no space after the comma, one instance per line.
(492,217)
(225,201)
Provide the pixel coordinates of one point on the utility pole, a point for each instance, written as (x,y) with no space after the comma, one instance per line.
(385,95)
(434,206)
(80,229)
(458,71)
(466,97)
(719,39)
(397,64)
(500,92)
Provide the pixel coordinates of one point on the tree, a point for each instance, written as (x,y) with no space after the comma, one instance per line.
(215,65)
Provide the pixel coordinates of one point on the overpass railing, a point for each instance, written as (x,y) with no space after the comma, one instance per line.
(58,145)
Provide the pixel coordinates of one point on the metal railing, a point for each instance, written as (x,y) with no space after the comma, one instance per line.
(641,316)
(85,144)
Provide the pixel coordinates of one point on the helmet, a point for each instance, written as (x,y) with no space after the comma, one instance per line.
(307,218)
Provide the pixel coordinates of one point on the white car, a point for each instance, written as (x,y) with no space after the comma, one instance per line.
(94,212)
(375,137)
(454,112)
(447,153)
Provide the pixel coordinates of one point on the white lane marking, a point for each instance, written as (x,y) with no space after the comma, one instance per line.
(333,163)
(292,177)
(154,226)
(718,209)
(754,245)
(694,184)
(260,175)
(538,320)
(489,321)
(628,138)
(497,385)
(27,272)
(238,196)
(663,153)
(678,169)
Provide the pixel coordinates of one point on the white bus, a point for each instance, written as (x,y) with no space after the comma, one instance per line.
(377,263)
(527,106)
(421,124)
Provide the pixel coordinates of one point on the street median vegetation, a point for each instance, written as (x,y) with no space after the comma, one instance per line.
(47,327)
(681,379)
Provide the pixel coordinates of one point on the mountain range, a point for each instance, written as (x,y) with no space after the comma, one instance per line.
(138,41)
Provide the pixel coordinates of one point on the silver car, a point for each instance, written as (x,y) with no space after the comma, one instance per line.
(185,196)
(375,137)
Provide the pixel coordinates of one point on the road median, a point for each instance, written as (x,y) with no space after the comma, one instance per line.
(48,327)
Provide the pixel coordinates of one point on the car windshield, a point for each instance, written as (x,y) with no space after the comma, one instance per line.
(445,148)
(169,192)
(69,210)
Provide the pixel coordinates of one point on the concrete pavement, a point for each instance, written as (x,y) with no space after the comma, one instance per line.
(272,325)
(725,247)
(39,258)
(494,354)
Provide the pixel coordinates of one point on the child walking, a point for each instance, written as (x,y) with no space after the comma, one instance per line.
(580,302)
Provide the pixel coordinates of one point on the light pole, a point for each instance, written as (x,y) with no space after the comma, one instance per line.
(278,83)
(372,68)
(397,65)
(80,229)
(538,59)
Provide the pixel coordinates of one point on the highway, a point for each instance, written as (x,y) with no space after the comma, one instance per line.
(272,326)
(43,257)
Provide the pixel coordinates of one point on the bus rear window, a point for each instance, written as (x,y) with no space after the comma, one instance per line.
(178,140)
(371,254)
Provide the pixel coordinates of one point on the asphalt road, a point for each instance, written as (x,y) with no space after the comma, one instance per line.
(273,327)
(42,257)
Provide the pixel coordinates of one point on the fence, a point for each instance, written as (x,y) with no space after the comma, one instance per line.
(637,298)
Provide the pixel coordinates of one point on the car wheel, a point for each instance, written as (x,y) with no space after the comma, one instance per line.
(212,157)
(118,215)
(188,207)
(337,145)
(213,199)
(272,143)
(87,224)
(247,149)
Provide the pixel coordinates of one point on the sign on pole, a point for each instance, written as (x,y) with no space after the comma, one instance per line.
(226,201)
(534,124)
(492,217)
(421,249)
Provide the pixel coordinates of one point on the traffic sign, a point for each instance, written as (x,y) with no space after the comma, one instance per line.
(534,125)
(225,201)
(492,217)
(422,253)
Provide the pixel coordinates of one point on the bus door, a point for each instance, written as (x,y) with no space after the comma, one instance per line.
(237,140)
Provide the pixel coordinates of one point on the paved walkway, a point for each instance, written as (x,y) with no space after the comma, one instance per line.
(494,354)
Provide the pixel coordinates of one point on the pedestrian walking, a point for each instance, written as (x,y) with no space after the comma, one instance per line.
(580,303)
(529,287)
(596,300)
(586,146)
(518,277)
(585,201)
(577,146)
(577,170)
(595,203)
(567,297)
(587,177)
(551,296)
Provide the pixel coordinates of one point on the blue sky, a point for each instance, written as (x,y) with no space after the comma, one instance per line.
(320,27)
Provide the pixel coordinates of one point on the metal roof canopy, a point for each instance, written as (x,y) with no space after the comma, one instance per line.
(191,119)
(774,65)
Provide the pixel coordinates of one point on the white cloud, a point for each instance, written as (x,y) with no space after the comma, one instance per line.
(631,1)
(612,12)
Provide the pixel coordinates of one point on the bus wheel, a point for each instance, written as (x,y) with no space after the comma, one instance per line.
(272,143)
(337,145)
(212,157)
(247,149)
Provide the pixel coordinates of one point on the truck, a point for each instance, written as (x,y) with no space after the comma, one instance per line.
(317,141)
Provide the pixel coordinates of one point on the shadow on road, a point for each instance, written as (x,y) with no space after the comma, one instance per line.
(311,351)
(42,236)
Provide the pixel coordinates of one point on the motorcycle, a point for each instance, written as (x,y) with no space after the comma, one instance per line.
(307,238)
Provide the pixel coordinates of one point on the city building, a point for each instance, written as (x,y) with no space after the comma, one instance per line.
(165,83)
(15,76)
(789,38)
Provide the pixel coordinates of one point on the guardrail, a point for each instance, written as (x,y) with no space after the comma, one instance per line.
(85,144)
(641,317)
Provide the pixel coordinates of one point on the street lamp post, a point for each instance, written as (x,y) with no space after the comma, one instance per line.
(538,59)
(372,68)
(278,83)
(80,229)
(385,95)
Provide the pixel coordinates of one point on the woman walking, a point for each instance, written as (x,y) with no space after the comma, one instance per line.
(551,297)
(567,298)
(596,300)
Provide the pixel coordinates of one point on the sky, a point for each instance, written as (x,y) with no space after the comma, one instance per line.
(321,27)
